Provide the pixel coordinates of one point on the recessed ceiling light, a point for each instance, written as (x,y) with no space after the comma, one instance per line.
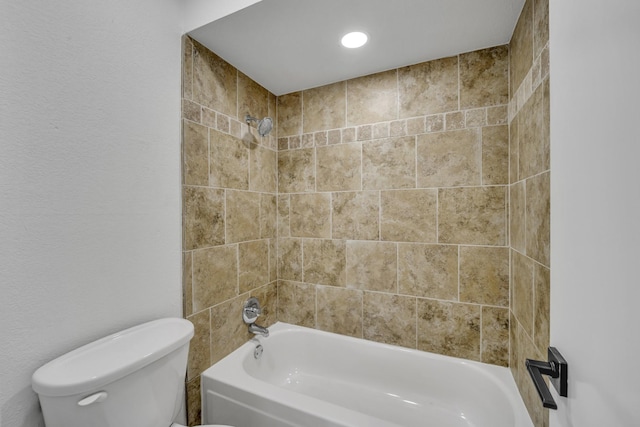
(354,39)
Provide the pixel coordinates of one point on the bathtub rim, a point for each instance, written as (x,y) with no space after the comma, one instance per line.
(245,382)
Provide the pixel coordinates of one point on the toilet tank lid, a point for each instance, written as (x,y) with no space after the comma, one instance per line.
(110,358)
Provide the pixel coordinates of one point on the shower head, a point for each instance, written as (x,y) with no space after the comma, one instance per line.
(264,126)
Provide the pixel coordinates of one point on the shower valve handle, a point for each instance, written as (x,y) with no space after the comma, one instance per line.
(251,310)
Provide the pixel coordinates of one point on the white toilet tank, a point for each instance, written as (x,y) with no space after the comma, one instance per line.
(131,378)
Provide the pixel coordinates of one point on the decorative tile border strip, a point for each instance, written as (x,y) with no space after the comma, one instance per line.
(455,120)
(536,75)
(221,122)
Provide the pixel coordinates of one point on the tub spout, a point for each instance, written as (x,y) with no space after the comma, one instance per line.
(258,330)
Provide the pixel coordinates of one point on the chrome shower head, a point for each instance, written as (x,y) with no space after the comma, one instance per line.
(264,126)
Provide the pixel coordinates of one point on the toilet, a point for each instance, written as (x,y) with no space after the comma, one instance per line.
(133,378)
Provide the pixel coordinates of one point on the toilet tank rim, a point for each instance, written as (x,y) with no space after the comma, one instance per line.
(110,358)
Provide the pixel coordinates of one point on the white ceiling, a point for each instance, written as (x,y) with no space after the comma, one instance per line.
(291,45)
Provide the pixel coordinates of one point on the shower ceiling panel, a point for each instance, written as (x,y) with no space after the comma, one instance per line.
(290,45)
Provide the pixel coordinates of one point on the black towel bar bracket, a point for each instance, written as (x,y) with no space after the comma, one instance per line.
(557,369)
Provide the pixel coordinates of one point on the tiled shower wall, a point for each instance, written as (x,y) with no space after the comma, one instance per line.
(229,209)
(384,212)
(529,195)
(392,206)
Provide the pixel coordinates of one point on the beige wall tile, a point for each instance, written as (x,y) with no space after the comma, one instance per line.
(495,155)
(223,123)
(187,283)
(484,77)
(484,275)
(540,26)
(228,331)
(321,138)
(526,350)
(295,142)
(324,107)
(229,162)
(409,215)
(364,133)
(324,262)
(349,134)
(339,310)
(202,217)
(338,167)
(252,99)
(476,118)
(297,303)
(209,118)
(215,276)
(517,207)
(334,137)
(195,154)
(514,351)
(495,336)
(472,215)
(272,104)
(541,306)
(242,216)
(533,134)
(434,123)
(455,120)
(253,265)
(191,111)
(308,140)
(449,328)
(311,215)
(428,88)
(389,164)
(529,156)
(538,218)
(268,297)
(415,125)
(289,114)
(290,259)
(263,169)
(522,283)
(514,145)
(296,171)
(449,159)
(193,402)
(380,130)
(398,128)
(389,319)
(497,115)
(268,214)
(521,47)
(355,215)
(187,67)
(283,216)
(372,266)
(214,81)
(199,351)
(273,260)
(428,271)
(372,98)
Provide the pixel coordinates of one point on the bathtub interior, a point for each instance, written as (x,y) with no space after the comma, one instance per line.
(333,376)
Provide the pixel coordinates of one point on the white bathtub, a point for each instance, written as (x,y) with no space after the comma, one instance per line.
(312,378)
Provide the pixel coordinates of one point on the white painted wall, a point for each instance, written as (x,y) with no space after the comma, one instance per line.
(89,179)
(595,208)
